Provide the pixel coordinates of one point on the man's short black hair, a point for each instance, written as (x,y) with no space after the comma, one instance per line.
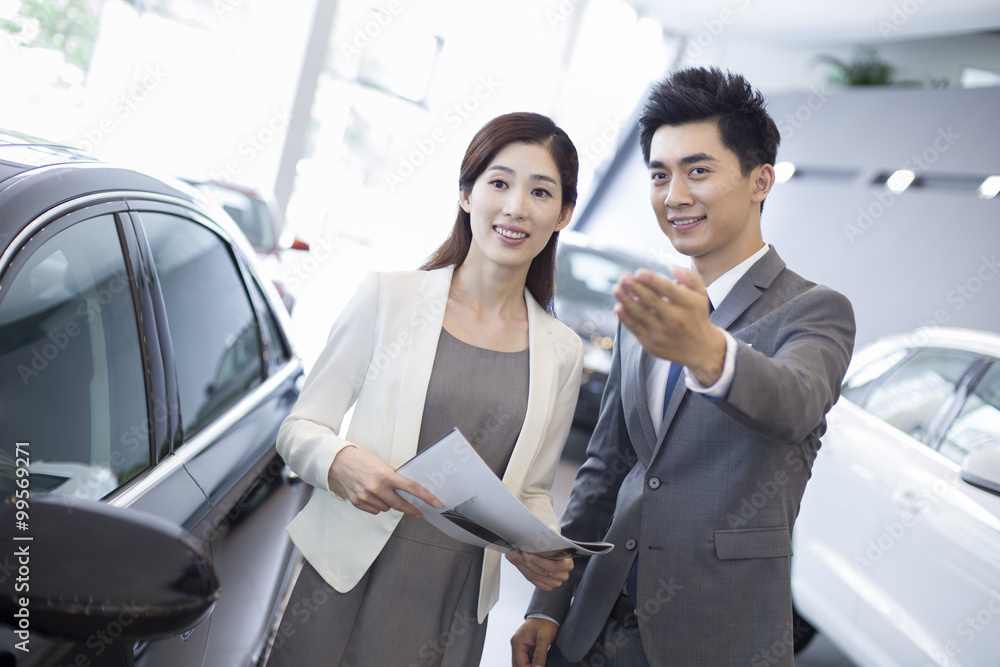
(699,94)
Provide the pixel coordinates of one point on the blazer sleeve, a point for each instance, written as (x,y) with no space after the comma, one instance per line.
(309,438)
(535,493)
(785,395)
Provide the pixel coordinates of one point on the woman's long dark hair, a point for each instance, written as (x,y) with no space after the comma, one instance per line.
(527,128)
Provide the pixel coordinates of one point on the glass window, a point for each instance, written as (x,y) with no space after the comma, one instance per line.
(977,426)
(858,384)
(911,396)
(216,342)
(275,347)
(73,384)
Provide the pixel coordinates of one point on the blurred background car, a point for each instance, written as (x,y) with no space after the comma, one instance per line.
(260,219)
(585,274)
(897,545)
(145,361)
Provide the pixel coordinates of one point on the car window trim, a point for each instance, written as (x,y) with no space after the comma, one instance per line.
(139,485)
(943,420)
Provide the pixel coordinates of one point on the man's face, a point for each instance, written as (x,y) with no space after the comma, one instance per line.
(702,201)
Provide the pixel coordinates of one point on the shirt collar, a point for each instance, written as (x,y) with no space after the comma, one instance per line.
(719,289)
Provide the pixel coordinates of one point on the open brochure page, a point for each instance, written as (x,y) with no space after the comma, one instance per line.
(478,508)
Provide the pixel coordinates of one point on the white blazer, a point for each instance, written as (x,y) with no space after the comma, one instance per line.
(378,358)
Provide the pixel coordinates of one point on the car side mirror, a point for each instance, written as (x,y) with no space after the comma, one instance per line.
(981,469)
(82,565)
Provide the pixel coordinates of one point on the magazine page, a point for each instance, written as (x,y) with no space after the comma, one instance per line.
(478,508)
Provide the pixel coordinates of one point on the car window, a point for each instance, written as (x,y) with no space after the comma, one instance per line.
(73,385)
(277,352)
(858,384)
(915,389)
(252,215)
(586,275)
(977,425)
(216,342)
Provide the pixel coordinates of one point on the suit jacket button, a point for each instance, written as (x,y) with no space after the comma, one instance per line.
(654,482)
(630,544)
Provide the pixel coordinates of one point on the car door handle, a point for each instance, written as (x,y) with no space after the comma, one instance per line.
(289,476)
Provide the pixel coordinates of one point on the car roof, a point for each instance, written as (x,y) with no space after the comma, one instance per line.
(950,338)
(37,176)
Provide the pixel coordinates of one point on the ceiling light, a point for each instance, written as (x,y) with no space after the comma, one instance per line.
(900,180)
(989,188)
(783,171)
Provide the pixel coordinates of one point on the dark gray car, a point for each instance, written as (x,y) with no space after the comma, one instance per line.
(144,363)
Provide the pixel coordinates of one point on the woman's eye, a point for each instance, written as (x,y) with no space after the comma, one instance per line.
(541,192)
(498,183)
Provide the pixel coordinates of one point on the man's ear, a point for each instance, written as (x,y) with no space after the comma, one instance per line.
(763,181)
(565,216)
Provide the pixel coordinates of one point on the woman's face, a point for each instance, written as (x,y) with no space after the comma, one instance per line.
(515,205)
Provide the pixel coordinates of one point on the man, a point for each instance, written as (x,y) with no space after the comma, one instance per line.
(698,484)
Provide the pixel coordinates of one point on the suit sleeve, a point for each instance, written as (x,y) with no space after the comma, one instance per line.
(786,395)
(592,501)
(536,494)
(309,439)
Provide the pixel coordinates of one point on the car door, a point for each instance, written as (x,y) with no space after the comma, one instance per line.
(236,380)
(842,510)
(83,384)
(909,584)
(941,576)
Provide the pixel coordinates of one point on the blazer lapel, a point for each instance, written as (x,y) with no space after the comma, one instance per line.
(426,321)
(542,360)
(634,359)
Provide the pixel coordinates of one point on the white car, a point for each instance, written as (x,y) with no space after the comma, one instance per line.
(897,545)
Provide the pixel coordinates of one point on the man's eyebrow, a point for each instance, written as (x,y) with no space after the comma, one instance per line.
(687,159)
(536,177)
(697,157)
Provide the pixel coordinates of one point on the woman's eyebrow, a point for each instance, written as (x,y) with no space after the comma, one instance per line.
(535,177)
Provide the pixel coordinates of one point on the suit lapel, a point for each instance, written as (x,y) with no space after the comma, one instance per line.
(638,422)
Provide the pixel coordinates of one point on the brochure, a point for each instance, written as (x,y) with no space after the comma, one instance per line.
(478,508)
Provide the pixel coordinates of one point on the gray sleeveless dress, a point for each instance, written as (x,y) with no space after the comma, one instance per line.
(416,606)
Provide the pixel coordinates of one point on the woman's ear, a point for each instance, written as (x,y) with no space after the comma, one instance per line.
(463,200)
(564,217)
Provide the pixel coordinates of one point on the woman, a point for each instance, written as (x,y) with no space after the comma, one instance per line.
(464,342)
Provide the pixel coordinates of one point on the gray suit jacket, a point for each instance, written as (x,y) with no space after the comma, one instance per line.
(708,508)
